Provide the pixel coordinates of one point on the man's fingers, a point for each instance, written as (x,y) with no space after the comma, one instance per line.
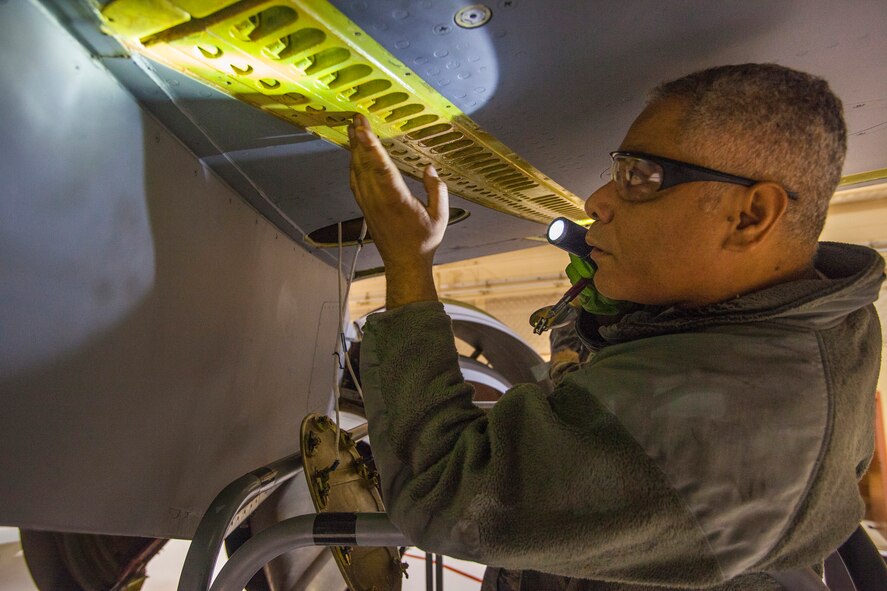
(438,196)
(352,138)
(369,145)
(361,176)
(355,166)
(366,139)
(373,161)
(374,174)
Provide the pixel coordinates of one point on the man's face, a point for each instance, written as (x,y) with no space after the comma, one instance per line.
(663,251)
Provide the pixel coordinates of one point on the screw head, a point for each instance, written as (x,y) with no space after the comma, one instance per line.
(471,17)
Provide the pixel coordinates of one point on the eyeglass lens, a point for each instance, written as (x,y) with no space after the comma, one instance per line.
(635,178)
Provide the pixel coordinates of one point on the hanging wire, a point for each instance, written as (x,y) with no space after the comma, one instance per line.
(341,353)
(340,343)
(360,239)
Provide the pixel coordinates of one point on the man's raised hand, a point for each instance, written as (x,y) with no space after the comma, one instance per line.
(406,231)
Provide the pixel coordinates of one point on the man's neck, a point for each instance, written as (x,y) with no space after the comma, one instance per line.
(751,282)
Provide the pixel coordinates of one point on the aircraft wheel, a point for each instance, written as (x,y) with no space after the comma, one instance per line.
(87,562)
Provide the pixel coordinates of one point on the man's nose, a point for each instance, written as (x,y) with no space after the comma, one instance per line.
(599,206)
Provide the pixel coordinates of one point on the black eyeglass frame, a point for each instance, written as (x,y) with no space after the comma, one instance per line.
(675,172)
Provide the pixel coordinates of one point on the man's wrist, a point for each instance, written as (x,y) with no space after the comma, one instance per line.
(406,283)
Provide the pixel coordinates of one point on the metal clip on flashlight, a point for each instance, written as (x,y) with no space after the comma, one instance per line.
(569,236)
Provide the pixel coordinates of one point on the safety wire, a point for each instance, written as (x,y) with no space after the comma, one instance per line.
(341,357)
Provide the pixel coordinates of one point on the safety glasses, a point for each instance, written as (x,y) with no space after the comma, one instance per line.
(638,176)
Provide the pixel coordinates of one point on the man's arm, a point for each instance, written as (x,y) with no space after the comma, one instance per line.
(544,483)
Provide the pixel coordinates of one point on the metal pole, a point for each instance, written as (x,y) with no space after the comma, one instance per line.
(225,513)
(429,571)
(359,432)
(439,568)
(322,529)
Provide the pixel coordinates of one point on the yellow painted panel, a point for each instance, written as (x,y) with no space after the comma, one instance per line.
(307,63)
(202,8)
(132,19)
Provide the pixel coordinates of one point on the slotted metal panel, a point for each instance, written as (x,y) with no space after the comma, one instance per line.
(307,63)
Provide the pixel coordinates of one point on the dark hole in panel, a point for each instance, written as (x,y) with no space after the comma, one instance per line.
(350,74)
(327,59)
(482,163)
(368,89)
(418,122)
(328,236)
(442,139)
(266,22)
(465,152)
(494,168)
(473,158)
(429,131)
(505,175)
(295,43)
(452,146)
(389,100)
(404,111)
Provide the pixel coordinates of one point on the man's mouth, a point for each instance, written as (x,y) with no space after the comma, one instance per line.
(596,246)
(597,255)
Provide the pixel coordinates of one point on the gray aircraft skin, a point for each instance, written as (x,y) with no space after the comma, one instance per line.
(164,323)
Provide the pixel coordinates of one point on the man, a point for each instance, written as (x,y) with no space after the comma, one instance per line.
(716,436)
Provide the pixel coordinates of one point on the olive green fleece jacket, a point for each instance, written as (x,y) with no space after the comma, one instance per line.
(697,448)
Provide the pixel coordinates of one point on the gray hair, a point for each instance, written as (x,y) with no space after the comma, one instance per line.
(768,122)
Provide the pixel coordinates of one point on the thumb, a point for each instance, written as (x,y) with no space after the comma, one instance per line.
(438,196)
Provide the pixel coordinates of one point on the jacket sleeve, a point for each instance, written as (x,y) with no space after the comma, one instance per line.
(550,483)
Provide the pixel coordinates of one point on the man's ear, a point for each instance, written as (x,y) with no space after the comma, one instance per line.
(758,212)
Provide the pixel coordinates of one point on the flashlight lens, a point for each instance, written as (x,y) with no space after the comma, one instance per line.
(556,229)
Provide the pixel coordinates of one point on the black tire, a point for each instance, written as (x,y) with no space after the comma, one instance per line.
(83,562)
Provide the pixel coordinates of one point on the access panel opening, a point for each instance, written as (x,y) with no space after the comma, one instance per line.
(328,236)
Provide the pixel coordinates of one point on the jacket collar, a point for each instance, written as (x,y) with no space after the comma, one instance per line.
(853,276)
